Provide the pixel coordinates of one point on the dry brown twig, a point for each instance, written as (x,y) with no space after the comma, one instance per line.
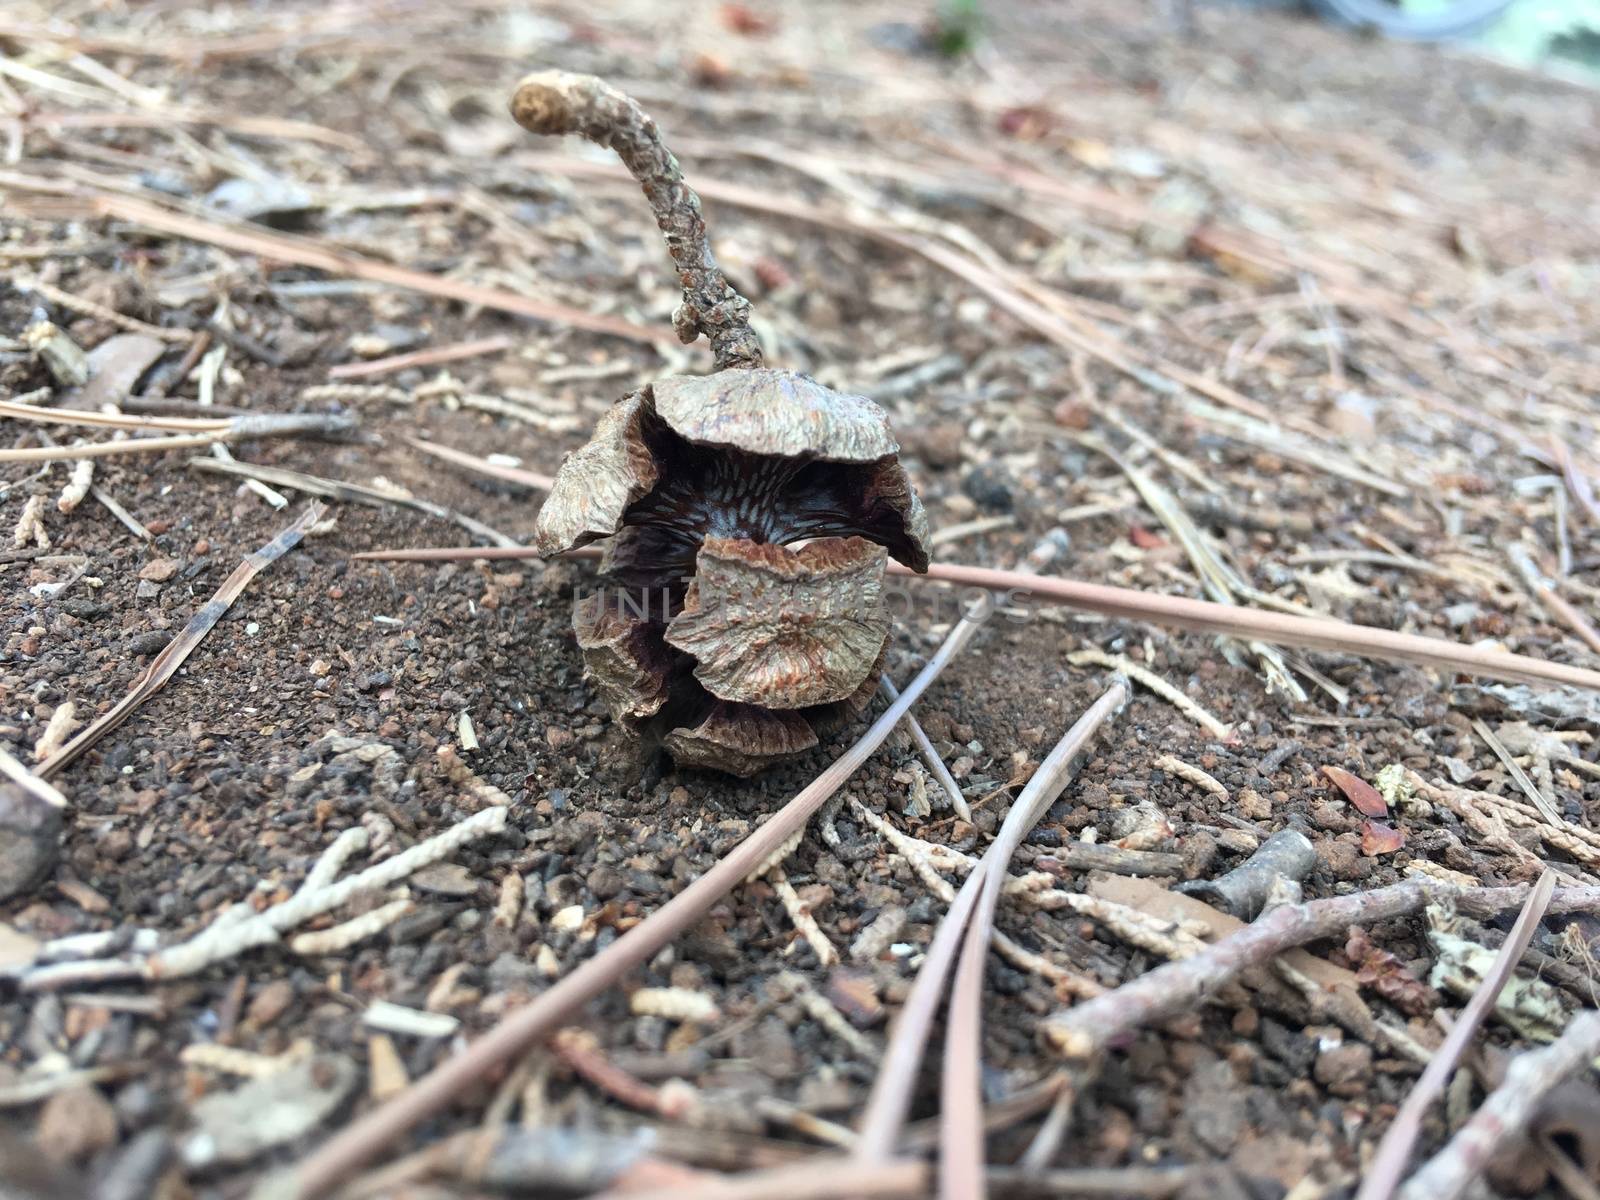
(1087,1029)
(558,102)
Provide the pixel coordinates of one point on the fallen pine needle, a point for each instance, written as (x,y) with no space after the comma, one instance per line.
(961,1148)
(1176,612)
(824,1177)
(30,781)
(1507,1112)
(528,479)
(324,256)
(352,493)
(165,664)
(947,781)
(376,1131)
(420,358)
(1389,1163)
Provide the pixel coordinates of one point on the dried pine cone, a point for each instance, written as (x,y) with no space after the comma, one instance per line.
(750,512)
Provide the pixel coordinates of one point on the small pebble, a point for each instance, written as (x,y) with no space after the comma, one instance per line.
(76,1124)
(1344,1069)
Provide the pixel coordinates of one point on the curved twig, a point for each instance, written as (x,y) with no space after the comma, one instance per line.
(556,103)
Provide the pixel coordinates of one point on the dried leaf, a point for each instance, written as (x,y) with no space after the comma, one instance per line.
(1144,539)
(1367,799)
(1385,974)
(1378,838)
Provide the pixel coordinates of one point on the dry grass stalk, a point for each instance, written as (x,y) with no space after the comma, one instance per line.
(516,1034)
(165,664)
(1388,1165)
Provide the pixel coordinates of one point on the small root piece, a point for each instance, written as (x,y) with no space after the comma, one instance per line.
(800,913)
(62,722)
(1189,773)
(77,487)
(508,908)
(348,933)
(30,525)
(1158,685)
(821,1010)
(674,1004)
(230,1060)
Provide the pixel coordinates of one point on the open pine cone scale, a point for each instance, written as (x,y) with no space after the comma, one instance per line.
(751,514)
